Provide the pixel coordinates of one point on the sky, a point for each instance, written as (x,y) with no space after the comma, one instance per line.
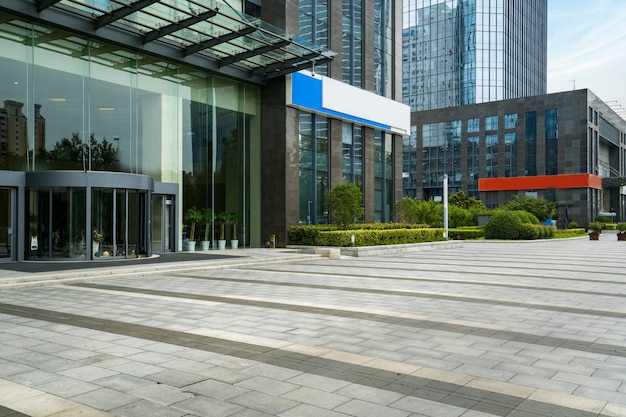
(587,48)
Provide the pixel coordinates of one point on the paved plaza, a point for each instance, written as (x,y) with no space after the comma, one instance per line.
(482,329)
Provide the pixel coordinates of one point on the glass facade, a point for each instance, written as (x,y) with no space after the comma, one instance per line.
(314,173)
(352,42)
(313,23)
(552,136)
(441,155)
(73,104)
(458,52)
(383,47)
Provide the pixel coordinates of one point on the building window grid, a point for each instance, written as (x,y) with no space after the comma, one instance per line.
(313,26)
(352,42)
(551,135)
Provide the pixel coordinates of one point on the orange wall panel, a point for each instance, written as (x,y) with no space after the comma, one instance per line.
(541,182)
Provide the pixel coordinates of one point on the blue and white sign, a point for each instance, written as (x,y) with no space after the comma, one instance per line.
(323,95)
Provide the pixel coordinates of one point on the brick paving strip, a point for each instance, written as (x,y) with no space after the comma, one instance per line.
(439,296)
(482,331)
(472,393)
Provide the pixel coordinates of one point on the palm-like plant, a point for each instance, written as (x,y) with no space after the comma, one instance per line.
(207,218)
(193,216)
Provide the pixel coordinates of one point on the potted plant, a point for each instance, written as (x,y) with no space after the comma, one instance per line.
(96,237)
(193,216)
(207,218)
(234,218)
(221,219)
(594,228)
(621,231)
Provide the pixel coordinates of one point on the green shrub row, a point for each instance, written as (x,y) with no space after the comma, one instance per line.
(467,233)
(573,232)
(531,231)
(342,238)
(307,234)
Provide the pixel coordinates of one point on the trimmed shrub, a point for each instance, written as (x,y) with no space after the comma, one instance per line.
(466,233)
(342,238)
(526,217)
(458,217)
(530,232)
(503,225)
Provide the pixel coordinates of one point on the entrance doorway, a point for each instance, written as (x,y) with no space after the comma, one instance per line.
(6,223)
(163,236)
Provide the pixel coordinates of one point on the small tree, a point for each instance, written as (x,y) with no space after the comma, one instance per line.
(234,218)
(221,219)
(464,201)
(345,204)
(207,218)
(193,216)
(540,207)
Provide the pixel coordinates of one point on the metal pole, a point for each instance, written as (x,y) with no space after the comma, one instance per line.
(445,206)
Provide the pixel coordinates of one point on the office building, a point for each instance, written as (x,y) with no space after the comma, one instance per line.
(567,147)
(133,112)
(459,52)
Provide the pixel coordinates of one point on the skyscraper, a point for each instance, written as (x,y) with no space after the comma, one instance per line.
(458,52)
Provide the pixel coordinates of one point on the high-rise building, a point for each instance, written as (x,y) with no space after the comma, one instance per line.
(458,52)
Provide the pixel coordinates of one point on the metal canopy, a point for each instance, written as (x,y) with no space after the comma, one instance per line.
(613,182)
(208,34)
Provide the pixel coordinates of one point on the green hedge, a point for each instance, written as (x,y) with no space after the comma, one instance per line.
(467,233)
(370,237)
(307,234)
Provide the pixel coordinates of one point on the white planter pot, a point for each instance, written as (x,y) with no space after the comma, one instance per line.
(221,244)
(234,244)
(95,246)
(191,245)
(206,244)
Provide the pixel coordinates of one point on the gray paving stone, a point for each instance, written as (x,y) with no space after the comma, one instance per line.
(316,397)
(207,407)
(67,387)
(147,408)
(307,410)
(161,394)
(263,402)
(175,378)
(366,409)
(215,389)
(104,399)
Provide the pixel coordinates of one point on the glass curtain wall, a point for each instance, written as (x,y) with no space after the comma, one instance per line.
(314,173)
(71,103)
(352,42)
(383,176)
(313,16)
(383,47)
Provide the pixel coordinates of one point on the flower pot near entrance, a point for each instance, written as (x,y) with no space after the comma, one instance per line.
(594,228)
(207,218)
(621,231)
(234,218)
(221,219)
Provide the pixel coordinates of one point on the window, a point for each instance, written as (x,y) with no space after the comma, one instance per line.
(473,125)
(491,123)
(510,121)
(491,163)
(530,160)
(552,135)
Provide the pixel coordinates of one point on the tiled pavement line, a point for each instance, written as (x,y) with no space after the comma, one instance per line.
(417,277)
(478,394)
(421,294)
(442,325)
(20,401)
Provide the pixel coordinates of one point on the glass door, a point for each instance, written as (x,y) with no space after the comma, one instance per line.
(162,232)
(6,223)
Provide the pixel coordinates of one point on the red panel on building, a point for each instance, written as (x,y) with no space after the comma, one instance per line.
(541,182)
